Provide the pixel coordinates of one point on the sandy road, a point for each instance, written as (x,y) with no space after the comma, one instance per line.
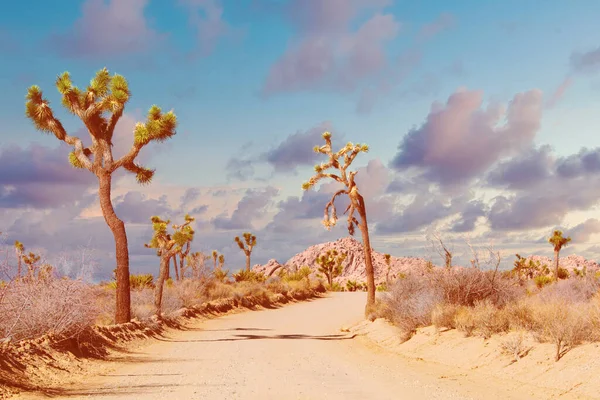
(294,352)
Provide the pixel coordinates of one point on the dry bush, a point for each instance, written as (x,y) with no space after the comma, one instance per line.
(593,315)
(217,290)
(466,286)
(142,302)
(410,302)
(190,292)
(520,315)
(31,309)
(562,323)
(489,319)
(443,315)
(574,290)
(514,345)
(465,321)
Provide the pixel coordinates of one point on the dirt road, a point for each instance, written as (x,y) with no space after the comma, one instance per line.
(294,352)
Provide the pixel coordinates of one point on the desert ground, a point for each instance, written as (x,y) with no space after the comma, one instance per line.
(298,351)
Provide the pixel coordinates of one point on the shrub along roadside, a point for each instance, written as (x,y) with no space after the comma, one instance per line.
(477,303)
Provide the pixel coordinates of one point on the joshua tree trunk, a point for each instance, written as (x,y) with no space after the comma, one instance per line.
(329,280)
(168,269)
(158,289)
(364,230)
(117,227)
(175,268)
(19,265)
(556,265)
(248,262)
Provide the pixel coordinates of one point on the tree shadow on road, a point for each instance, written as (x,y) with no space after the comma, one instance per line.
(265,337)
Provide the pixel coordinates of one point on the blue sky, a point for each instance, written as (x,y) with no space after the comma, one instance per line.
(245,76)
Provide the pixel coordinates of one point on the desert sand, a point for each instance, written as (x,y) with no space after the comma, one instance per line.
(294,352)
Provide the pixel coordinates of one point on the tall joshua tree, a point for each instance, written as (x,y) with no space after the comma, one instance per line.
(330,264)
(19,250)
(250,241)
(558,241)
(167,246)
(100,106)
(357,203)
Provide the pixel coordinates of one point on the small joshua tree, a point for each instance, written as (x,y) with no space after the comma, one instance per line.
(167,246)
(31,260)
(214,256)
(558,242)
(250,240)
(388,262)
(357,203)
(100,106)
(19,250)
(221,261)
(330,264)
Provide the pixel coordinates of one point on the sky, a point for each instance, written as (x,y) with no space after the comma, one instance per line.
(481,117)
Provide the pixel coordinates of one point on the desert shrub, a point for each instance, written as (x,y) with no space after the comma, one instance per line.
(352,286)
(542,280)
(410,302)
(593,314)
(466,286)
(249,276)
(220,275)
(218,290)
(562,273)
(514,345)
(33,308)
(443,315)
(142,302)
(276,285)
(382,287)
(136,282)
(298,275)
(489,319)
(562,323)
(190,292)
(520,315)
(571,290)
(335,287)
(465,321)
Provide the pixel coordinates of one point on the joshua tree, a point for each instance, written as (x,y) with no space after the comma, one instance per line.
(357,203)
(330,264)
(19,250)
(250,240)
(182,258)
(166,247)
(558,241)
(31,260)
(221,261)
(100,106)
(214,256)
(388,262)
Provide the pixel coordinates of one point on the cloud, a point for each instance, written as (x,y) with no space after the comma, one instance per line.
(297,149)
(469,216)
(585,162)
(206,16)
(444,22)
(240,169)
(252,206)
(326,52)
(459,140)
(559,93)
(523,171)
(586,62)
(40,177)
(107,29)
(136,208)
(582,233)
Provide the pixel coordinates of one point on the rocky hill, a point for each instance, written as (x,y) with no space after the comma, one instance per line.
(354,264)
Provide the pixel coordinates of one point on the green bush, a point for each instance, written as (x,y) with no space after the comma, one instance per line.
(249,276)
(542,280)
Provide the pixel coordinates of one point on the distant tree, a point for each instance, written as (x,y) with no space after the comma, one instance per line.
(214,256)
(388,262)
(357,203)
(31,260)
(250,242)
(558,242)
(167,246)
(100,106)
(330,264)
(221,261)
(19,250)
